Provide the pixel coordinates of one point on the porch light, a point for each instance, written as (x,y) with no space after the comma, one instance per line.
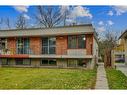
(84,38)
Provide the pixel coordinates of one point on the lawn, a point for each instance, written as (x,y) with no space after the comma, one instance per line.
(39,78)
(116,79)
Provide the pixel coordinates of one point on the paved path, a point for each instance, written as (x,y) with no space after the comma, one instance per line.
(101,81)
(122,68)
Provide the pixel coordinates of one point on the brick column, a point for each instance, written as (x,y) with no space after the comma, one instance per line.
(35,45)
(89,44)
(11,45)
(61,45)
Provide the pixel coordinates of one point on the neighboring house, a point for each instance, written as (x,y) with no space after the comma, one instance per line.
(124,37)
(62,47)
(119,51)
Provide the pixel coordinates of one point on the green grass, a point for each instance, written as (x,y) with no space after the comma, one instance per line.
(116,79)
(39,78)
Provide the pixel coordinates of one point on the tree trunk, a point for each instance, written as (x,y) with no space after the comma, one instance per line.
(107,58)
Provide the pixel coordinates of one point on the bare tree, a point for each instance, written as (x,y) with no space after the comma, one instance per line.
(48,16)
(106,46)
(1,22)
(21,22)
(65,14)
(7,22)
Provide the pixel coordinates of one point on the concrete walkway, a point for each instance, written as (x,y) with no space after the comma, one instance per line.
(122,68)
(101,81)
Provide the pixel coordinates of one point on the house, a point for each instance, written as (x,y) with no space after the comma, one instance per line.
(124,37)
(62,47)
(119,51)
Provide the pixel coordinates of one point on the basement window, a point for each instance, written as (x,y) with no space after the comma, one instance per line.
(48,62)
(76,63)
(4,61)
(20,61)
(72,63)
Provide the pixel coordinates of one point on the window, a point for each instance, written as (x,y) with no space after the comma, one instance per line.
(4,61)
(48,62)
(26,45)
(52,62)
(19,61)
(72,63)
(82,63)
(22,61)
(72,42)
(75,42)
(76,63)
(3,43)
(23,45)
(81,41)
(44,62)
(20,46)
(49,45)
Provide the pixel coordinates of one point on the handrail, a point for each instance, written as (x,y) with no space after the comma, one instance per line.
(16,51)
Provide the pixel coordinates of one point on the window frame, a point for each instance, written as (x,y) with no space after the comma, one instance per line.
(48,64)
(3,41)
(48,45)
(6,63)
(24,49)
(23,61)
(77,41)
(73,63)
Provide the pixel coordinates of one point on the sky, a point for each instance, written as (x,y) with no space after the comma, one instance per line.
(103,18)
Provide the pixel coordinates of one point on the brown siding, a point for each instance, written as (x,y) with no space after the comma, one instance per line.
(11,44)
(61,45)
(35,45)
(89,44)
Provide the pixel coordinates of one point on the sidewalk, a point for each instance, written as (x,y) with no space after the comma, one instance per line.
(101,81)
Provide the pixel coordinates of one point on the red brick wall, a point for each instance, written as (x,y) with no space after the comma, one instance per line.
(35,45)
(11,44)
(89,44)
(61,45)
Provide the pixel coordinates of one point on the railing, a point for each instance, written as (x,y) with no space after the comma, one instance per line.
(24,51)
(70,52)
(5,51)
(14,51)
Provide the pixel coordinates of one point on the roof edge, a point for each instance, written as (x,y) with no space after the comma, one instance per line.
(47,27)
(121,36)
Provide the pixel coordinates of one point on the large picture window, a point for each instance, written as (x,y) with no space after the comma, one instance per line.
(75,42)
(49,45)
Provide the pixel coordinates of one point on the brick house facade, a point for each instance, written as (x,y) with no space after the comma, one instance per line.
(61,47)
